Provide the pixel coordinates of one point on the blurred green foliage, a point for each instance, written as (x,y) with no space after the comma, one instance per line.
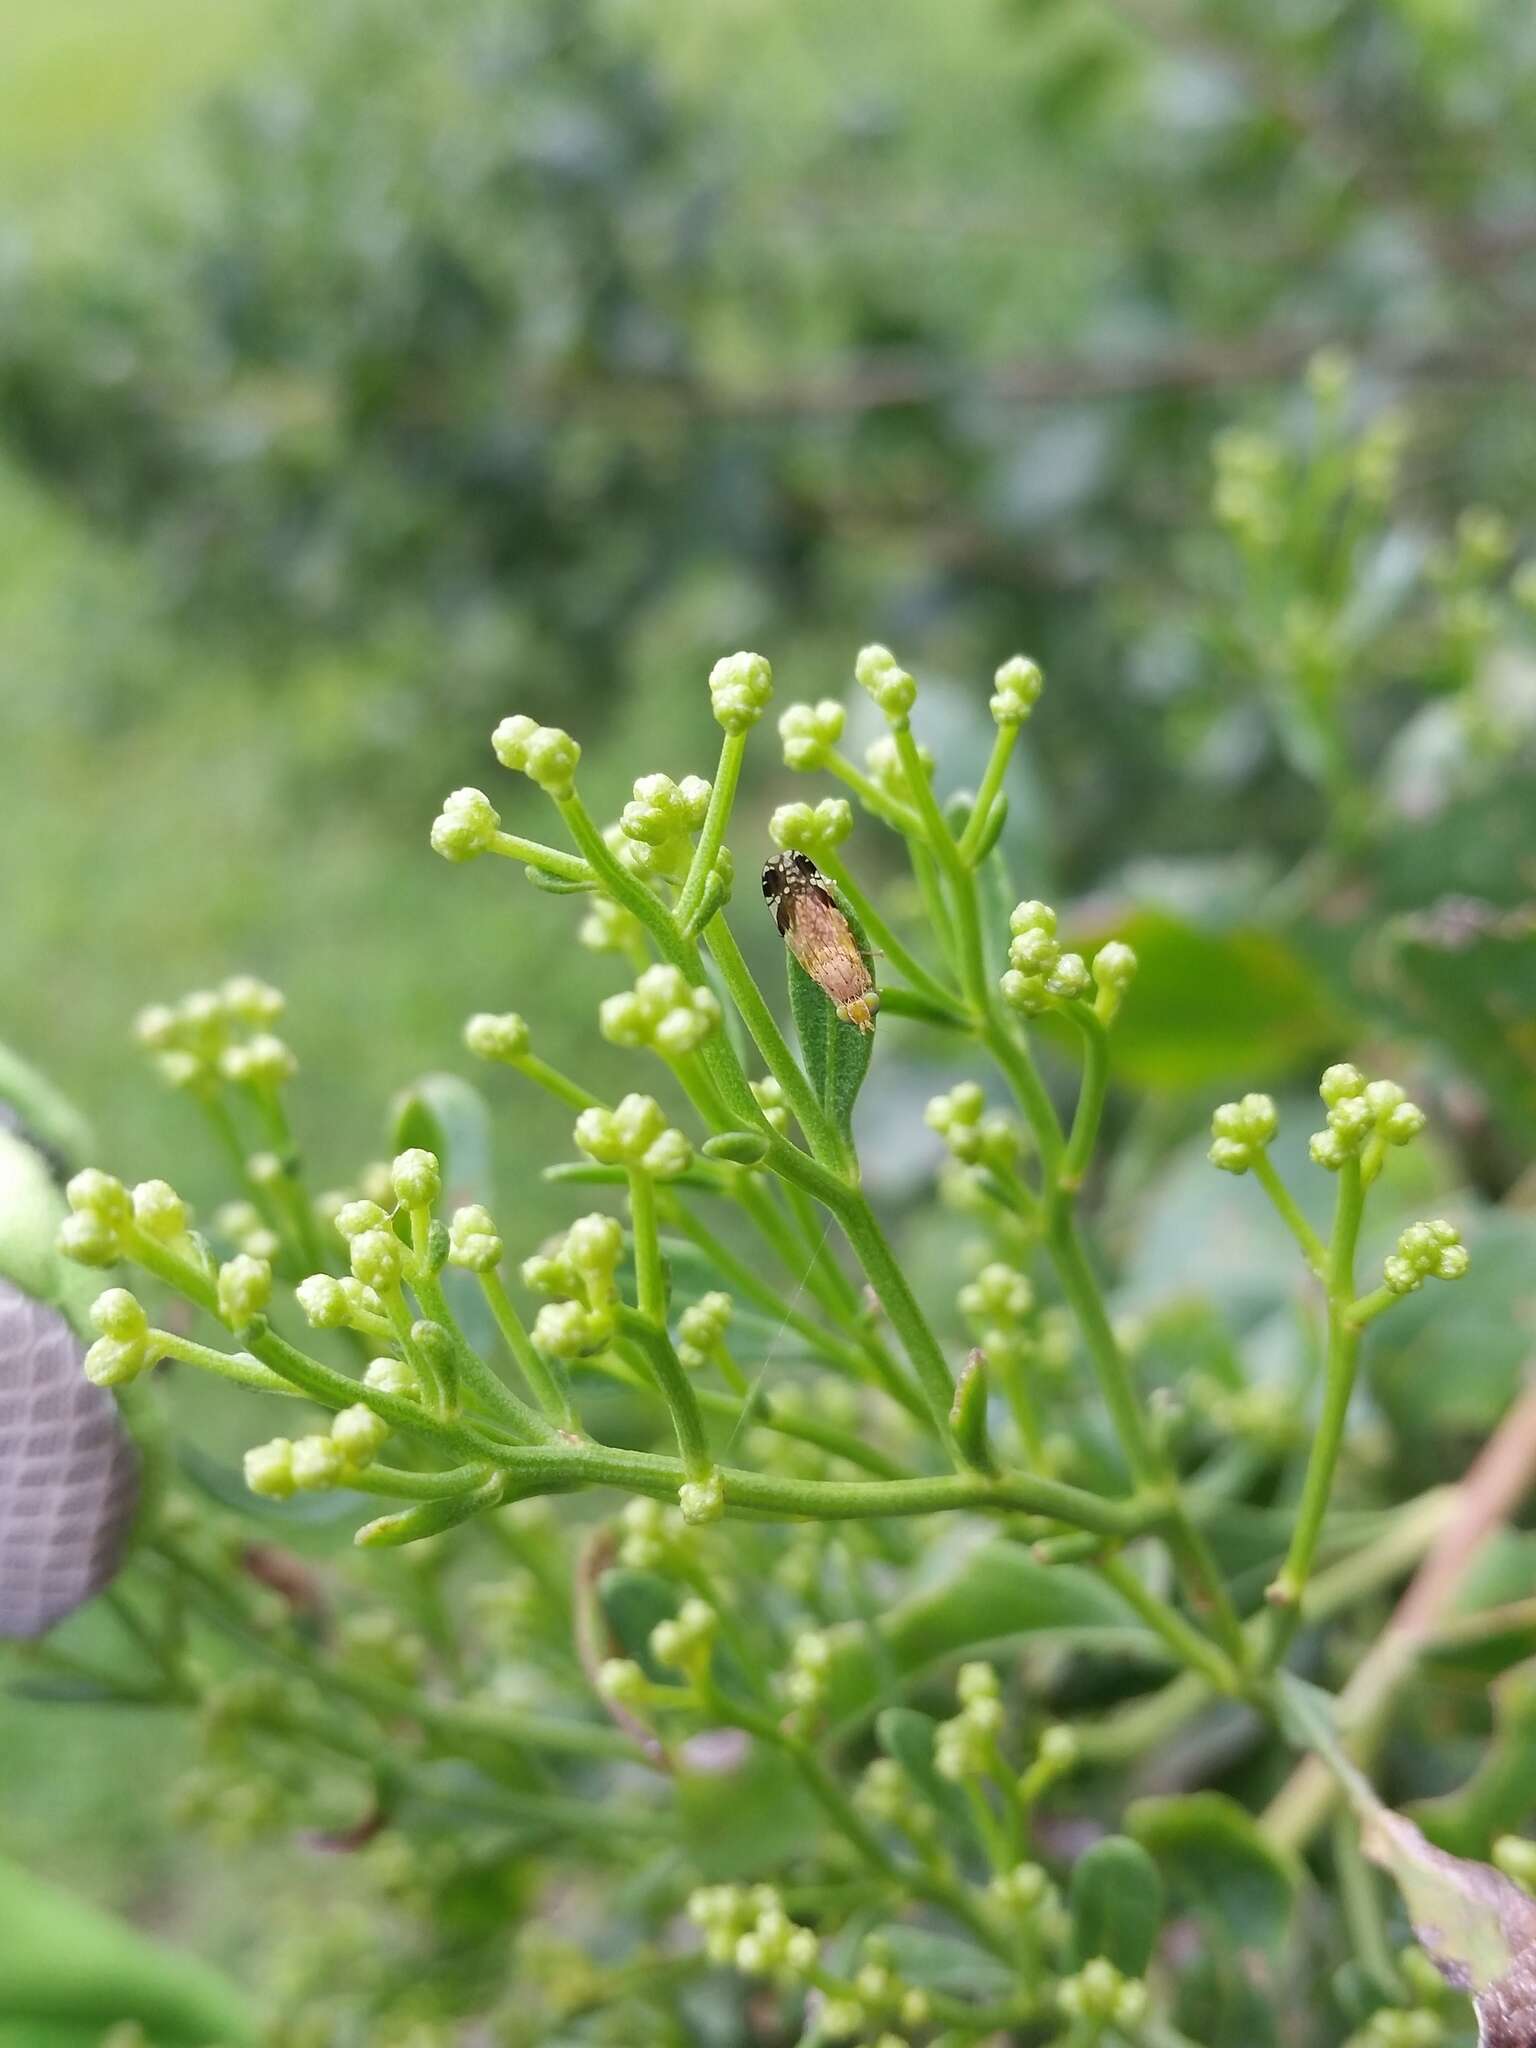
(442,362)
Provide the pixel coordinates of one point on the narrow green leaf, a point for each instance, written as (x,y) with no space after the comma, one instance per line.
(1219,1866)
(1117,1905)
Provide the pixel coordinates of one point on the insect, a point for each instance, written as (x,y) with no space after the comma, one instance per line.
(813,926)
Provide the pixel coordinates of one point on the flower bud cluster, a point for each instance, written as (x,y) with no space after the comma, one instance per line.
(1250,486)
(740,686)
(125,1344)
(213,1033)
(244,1289)
(395,1376)
(1038,970)
(101,1213)
(686,1642)
(243,1226)
(748,1927)
(657,822)
(473,1240)
(1102,1997)
(875,670)
(971,1135)
(1426,1251)
(810,1666)
(609,928)
(888,772)
(809,732)
(768,1094)
(816,829)
(996,1305)
(1016,690)
(701,1328)
(310,1464)
(545,754)
(1240,1130)
(651,1536)
(635,1134)
(966,1747)
(331,1304)
(1359,1112)
(579,1271)
(466,825)
(1024,1891)
(664,1011)
(492,1036)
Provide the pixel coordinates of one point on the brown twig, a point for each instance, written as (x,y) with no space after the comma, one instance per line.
(1490,1491)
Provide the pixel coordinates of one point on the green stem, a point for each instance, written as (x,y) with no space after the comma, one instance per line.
(677,1390)
(1090,1100)
(244,1372)
(305,1223)
(1188,1645)
(1285,1595)
(553,1082)
(721,797)
(901,1306)
(475,1374)
(542,1384)
(645,1234)
(395,1484)
(1313,1249)
(534,854)
(827,1147)
(987,795)
(874,799)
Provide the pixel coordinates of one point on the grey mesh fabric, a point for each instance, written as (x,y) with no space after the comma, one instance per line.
(69,1471)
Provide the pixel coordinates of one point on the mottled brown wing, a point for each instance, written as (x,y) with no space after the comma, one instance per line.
(822,940)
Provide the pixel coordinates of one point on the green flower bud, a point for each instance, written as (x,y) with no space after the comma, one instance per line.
(1024,1889)
(89,1241)
(491,1037)
(1025,993)
(1339,1082)
(1070,979)
(124,1349)
(594,1245)
(393,1376)
(158,1210)
(1000,1294)
(568,1329)
(1114,969)
(377,1257)
(702,1500)
(353,1218)
(155,1027)
(1018,684)
(269,1469)
(359,1434)
(324,1304)
(769,1097)
(1241,1130)
(740,686)
(316,1463)
(892,689)
(609,928)
(1426,1251)
(466,825)
(244,1289)
(545,1272)
(417,1178)
(261,1062)
(663,811)
(809,732)
(816,829)
(701,1327)
(634,1134)
(98,1194)
(1034,952)
(545,754)
(253,1003)
(888,772)
(621,1680)
(842,2018)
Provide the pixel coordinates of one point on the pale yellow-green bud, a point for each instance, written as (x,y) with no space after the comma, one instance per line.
(740,686)
(377,1257)
(545,754)
(269,1469)
(809,732)
(491,1037)
(158,1210)
(875,670)
(417,1178)
(244,1289)
(1016,690)
(359,1434)
(816,829)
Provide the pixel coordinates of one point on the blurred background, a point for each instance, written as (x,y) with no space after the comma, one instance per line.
(368,372)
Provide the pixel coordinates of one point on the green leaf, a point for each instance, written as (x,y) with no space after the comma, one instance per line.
(1502,1791)
(1271,1012)
(1219,1865)
(633,1602)
(1483,1324)
(996,1594)
(1117,1905)
(63,1961)
(908,1737)
(943,1962)
(835,1054)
